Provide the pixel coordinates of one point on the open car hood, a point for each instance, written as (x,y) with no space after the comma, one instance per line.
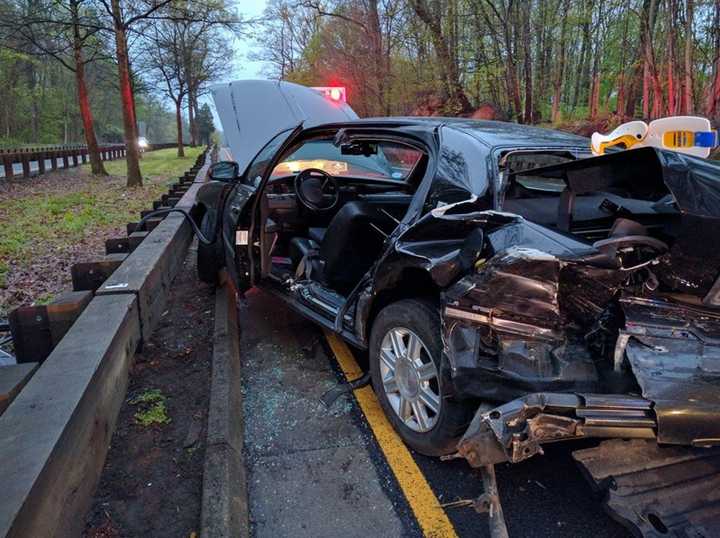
(253,112)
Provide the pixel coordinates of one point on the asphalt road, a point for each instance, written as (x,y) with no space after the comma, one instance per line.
(317,471)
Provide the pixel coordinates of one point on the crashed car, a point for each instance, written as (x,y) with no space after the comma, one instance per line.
(511,290)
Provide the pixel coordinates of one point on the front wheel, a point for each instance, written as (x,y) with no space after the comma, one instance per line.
(209,257)
(405,351)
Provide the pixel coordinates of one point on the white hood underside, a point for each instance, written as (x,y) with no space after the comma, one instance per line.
(253,112)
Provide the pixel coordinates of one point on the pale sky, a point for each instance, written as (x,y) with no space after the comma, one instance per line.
(245,68)
(242,66)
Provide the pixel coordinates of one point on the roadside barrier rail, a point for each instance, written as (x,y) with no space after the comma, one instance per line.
(48,158)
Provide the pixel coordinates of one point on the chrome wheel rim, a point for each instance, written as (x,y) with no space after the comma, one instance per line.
(410,379)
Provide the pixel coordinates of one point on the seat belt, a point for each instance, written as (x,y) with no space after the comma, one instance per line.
(565,210)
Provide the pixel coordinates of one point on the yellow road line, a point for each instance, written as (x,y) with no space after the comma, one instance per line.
(432,519)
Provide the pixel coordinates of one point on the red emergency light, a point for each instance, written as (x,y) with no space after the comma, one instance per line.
(336,94)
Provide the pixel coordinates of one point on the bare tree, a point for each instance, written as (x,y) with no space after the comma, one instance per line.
(164,59)
(429,12)
(65,34)
(122,20)
(688,87)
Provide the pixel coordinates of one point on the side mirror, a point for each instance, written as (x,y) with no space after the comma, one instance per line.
(225,171)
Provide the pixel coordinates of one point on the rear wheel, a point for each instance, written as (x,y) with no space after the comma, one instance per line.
(405,351)
(209,257)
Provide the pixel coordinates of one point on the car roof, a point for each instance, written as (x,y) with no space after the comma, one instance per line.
(491,133)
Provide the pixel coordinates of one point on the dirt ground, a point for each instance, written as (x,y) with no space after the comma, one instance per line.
(152,481)
(50,222)
(46,270)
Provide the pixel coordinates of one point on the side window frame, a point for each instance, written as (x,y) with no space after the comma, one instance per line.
(252,180)
(380,140)
(476,171)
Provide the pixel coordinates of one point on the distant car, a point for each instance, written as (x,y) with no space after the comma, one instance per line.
(510,289)
(143,144)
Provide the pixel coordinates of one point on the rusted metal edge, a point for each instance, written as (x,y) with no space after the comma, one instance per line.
(657,491)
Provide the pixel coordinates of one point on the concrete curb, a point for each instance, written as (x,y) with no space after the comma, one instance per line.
(54,436)
(224,496)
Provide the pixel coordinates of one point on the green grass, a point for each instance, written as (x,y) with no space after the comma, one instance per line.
(152,408)
(59,217)
(162,163)
(3,273)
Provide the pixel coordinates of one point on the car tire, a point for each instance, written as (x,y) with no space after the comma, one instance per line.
(438,433)
(209,257)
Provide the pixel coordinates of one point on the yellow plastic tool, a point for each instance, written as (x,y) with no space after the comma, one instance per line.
(685,134)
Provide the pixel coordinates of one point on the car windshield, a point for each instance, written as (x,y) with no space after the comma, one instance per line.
(389,161)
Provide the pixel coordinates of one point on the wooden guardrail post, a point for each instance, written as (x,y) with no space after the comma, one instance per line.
(53,160)
(25,164)
(66,163)
(41,162)
(7,165)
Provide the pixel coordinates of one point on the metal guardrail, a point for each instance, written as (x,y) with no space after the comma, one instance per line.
(52,156)
(38,160)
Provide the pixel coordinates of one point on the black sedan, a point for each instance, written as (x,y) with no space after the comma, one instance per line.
(511,289)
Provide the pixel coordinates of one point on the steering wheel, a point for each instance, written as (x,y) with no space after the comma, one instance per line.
(632,241)
(316,189)
(610,249)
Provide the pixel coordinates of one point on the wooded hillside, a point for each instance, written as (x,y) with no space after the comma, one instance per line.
(530,61)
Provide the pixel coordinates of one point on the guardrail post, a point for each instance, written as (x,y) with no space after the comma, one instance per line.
(25,164)
(41,162)
(83,155)
(74,156)
(66,162)
(30,328)
(53,159)
(7,164)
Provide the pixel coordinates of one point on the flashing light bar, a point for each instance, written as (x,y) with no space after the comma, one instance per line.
(336,94)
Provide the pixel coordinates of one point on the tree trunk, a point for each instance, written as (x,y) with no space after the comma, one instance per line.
(132,154)
(671,10)
(582,61)
(134,108)
(379,64)
(527,64)
(191,119)
(196,114)
(511,73)
(650,74)
(622,84)
(96,165)
(688,89)
(178,120)
(713,98)
(594,88)
(456,100)
(560,74)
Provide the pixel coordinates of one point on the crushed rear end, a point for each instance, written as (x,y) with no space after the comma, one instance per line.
(566,335)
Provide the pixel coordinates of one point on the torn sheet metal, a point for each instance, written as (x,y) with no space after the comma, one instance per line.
(657,491)
(674,353)
(607,328)
(517,430)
